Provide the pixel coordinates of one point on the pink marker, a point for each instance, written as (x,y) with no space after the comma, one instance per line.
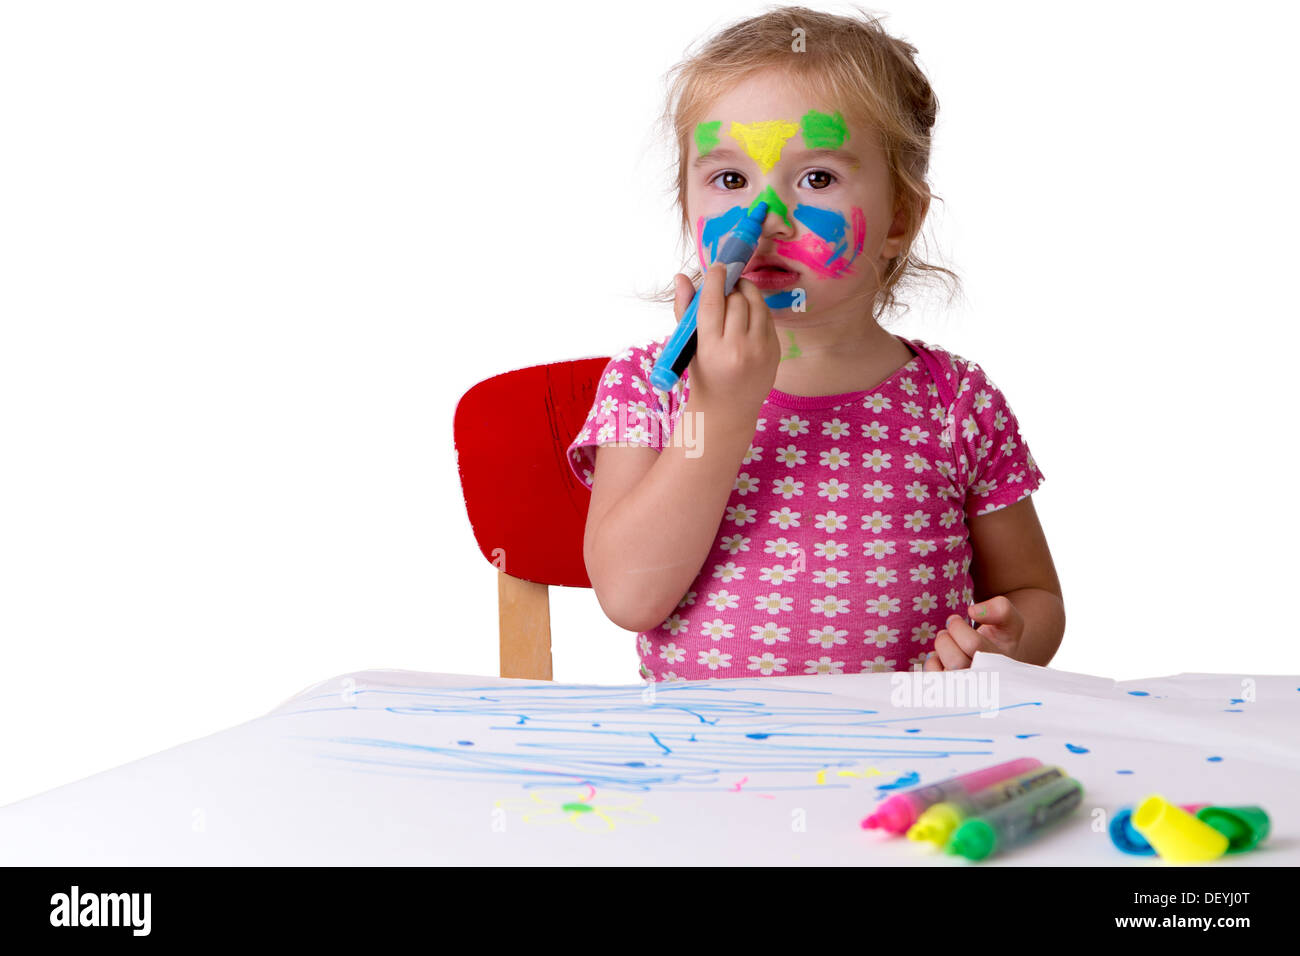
(899,812)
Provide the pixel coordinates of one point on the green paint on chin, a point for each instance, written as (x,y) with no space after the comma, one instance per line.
(706,136)
(774,204)
(823,130)
(794,346)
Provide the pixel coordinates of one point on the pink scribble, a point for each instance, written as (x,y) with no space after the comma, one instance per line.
(736,789)
(815,252)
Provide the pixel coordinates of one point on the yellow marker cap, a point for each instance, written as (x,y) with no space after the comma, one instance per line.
(1175,834)
(937,824)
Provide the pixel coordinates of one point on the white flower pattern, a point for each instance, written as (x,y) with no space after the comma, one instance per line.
(864,579)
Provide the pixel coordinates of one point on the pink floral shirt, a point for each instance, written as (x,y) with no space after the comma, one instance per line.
(844,545)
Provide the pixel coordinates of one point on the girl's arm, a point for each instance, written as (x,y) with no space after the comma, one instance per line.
(654,515)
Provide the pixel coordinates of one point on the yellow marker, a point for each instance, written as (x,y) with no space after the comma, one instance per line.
(763,141)
(1175,834)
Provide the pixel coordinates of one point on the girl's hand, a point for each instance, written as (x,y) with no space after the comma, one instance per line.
(999,633)
(737,351)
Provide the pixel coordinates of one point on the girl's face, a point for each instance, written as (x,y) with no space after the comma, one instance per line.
(831,228)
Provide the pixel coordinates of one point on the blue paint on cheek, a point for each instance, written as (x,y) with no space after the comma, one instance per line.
(780,300)
(716,229)
(827,225)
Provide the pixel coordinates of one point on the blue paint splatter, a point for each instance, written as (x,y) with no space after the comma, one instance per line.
(906,780)
(1232,710)
(1123,771)
(1076,750)
(1214,759)
(1025,736)
(465,743)
(912,730)
(1139,693)
(1237,700)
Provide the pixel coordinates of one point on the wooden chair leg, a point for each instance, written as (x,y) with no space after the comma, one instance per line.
(525,625)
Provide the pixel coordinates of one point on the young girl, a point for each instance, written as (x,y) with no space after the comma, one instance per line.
(815,495)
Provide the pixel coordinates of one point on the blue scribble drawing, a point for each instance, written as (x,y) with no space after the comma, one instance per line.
(694,736)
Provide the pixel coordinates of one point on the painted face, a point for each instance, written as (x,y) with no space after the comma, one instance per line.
(828,202)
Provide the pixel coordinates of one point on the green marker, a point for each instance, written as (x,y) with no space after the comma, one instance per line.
(1016,821)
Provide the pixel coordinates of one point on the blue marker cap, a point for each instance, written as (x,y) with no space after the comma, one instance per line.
(1125,837)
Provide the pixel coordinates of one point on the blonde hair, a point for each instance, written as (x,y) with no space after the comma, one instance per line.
(868,75)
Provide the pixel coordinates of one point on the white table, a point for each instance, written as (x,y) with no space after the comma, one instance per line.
(400,767)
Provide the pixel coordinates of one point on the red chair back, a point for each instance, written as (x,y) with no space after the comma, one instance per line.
(527,508)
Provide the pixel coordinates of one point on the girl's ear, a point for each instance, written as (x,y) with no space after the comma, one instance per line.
(908,218)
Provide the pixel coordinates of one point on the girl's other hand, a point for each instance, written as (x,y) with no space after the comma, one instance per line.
(737,351)
(1000,631)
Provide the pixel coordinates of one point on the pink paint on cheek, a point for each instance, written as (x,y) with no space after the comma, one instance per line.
(815,253)
(859,231)
(699,242)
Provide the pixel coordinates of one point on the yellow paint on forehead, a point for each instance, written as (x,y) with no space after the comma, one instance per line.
(764,140)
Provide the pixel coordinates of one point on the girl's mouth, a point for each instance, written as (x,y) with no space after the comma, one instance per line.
(771,277)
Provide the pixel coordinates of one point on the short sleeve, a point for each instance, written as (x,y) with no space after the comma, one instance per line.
(1000,470)
(627,410)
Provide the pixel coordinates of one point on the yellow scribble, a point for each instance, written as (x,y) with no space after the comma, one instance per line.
(764,140)
(866,772)
(579,808)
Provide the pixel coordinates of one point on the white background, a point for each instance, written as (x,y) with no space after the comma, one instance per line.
(250,259)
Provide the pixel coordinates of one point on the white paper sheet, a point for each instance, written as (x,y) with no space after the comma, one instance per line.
(402,767)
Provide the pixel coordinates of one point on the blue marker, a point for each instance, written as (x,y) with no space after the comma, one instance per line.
(736,252)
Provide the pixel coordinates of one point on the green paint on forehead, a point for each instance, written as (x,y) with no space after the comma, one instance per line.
(823,130)
(706,136)
(769,196)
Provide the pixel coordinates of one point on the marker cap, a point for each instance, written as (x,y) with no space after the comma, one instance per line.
(1244,827)
(1175,834)
(1125,837)
(937,824)
(974,840)
(895,815)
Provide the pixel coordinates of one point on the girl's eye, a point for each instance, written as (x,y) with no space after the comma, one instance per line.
(731,179)
(826,178)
